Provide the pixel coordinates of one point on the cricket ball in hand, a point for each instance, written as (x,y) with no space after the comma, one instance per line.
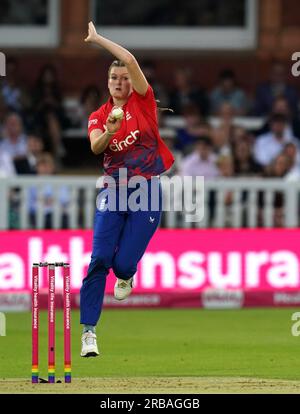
(117,113)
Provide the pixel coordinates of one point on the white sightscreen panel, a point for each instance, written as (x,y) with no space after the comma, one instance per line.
(33,35)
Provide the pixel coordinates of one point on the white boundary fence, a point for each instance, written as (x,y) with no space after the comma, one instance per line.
(252,203)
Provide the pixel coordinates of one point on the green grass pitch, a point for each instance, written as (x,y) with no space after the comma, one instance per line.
(188,343)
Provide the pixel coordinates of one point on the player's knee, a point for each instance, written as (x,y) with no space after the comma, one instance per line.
(99,262)
(124,269)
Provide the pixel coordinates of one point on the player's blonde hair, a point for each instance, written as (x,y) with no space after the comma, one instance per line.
(116,64)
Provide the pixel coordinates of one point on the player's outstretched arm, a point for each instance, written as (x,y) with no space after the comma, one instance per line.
(139,82)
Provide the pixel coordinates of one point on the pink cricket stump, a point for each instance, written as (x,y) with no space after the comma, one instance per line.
(35,324)
(51,323)
(67,323)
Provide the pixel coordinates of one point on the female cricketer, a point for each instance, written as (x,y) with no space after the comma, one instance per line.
(132,143)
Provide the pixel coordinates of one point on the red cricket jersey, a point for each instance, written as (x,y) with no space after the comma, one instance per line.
(137,145)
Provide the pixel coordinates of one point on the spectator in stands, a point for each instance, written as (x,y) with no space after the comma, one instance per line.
(225,121)
(221,141)
(245,166)
(11,90)
(27,164)
(170,140)
(194,126)
(226,114)
(50,116)
(276,86)
(268,146)
(149,69)
(226,170)
(225,166)
(185,93)
(279,169)
(292,152)
(89,102)
(244,163)
(14,141)
(227,91)
(223,134)
(13,147)
(7,168)
(46,167)
(239,133)
(281,106)
(3,114)
(202,161)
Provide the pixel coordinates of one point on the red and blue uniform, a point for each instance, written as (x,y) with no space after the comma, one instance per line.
(121,237)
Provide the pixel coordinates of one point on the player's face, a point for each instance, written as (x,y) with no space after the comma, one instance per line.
(119,83)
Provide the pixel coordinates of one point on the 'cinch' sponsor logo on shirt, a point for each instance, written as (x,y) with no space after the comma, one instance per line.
(129,140)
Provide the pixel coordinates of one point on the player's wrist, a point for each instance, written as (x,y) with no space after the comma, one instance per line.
(110,133)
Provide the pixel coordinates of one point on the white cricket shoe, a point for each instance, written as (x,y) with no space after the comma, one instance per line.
(89,346)
(123,288)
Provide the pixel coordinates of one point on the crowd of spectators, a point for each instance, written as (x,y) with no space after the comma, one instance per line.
(203,147)
(32,123)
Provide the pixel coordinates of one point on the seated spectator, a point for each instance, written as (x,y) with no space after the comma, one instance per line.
(226,114)
(221,141)
(185,93)
(226,170)
(244,163)
(7,168)
(11,91)
(194,126)
(14,141)
(279,169)
(276,86)
(3,114)
(46,167)
(202,161)
(225,166)
(268,146)
(226,117)
(239,133)
(281,106)
(170,141)
(227,91)
(245,166)
(222,135)
(291,151)
(90,101)
(27,164)
(50,116)
(149,70)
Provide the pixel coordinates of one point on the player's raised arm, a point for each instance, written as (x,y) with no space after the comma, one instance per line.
(138,80)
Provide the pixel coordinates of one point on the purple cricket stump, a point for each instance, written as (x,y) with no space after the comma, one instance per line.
(35,323)
(51,323)
(67,322)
